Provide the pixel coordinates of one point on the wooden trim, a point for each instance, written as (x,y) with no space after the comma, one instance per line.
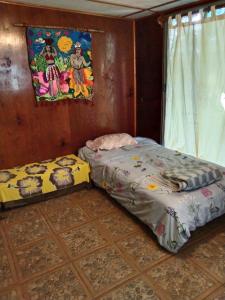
(118,4)
(60,27)
(135,82)
(67,10)
(136,13)
(164,4)
(135,7)
(150,9)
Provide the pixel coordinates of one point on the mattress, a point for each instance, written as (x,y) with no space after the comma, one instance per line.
(131,175)
(35,179)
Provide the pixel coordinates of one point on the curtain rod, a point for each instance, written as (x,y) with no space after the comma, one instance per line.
(203,5)
(59,27)
(163,18)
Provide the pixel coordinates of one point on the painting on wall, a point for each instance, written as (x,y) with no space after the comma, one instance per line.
(61,64)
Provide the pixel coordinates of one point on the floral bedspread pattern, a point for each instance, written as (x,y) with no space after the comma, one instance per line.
(43,177)
(131,175)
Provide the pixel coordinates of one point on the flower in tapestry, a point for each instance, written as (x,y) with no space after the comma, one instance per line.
(61,64)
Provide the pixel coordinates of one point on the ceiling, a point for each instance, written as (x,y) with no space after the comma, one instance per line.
(131,9)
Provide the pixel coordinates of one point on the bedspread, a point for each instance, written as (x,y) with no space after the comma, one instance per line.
(44,177)
(131,175)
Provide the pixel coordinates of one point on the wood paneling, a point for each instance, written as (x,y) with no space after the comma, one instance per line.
(149,51)
(31,132)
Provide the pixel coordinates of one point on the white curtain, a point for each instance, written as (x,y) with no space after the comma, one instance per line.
(194,114)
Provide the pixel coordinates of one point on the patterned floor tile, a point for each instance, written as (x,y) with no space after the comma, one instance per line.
(66,218)
(104,268)
(218,295)
(180,279)
(27,231)
(85,222)
(93,193)
(210,254)
(118,225)
(10,295)
(61,284)
(96,203)
(82,193)
(83,239)
(6,275)
(142,249)
(57,204)
(21,214)
(136,289)
(2,246)
(38,257)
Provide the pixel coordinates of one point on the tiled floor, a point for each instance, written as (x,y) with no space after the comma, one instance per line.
(85,246)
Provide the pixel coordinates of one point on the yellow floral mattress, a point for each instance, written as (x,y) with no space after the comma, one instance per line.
(43,177)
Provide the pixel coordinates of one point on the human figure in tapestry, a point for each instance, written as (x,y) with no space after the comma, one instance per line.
(52,71)
(61,64)
(80,72)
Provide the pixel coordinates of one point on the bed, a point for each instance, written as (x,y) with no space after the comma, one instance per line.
(131,175)
(42,180)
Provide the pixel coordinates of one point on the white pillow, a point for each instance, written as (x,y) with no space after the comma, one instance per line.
(111,141)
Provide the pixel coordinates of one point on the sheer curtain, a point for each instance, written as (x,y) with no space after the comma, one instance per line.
(195,94)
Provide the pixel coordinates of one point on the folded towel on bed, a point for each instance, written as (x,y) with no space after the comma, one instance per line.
(191,176)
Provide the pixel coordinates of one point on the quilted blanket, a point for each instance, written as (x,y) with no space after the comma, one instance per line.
(191,176)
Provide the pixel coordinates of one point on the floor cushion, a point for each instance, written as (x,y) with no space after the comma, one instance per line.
(43,177)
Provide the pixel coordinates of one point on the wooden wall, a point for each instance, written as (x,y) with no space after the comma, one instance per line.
(31,132)
(149,45)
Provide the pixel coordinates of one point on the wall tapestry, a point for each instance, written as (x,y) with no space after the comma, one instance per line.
(60,63)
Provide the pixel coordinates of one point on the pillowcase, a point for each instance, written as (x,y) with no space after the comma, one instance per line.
(111,141)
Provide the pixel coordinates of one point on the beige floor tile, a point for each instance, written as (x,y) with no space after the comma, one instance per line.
(21,214)
(38,257)
(142,249)
(26,231)
(180,279)
(61,219)
(118,225)
(7,276)
(82,240)
(85,246)
(60,284)
(136,289)
(218,295)
(6,273)
(12,294)
(58,203)
(210,254)
(96,203)
(104,268)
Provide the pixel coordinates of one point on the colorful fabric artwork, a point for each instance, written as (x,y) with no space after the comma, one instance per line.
(61,64)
